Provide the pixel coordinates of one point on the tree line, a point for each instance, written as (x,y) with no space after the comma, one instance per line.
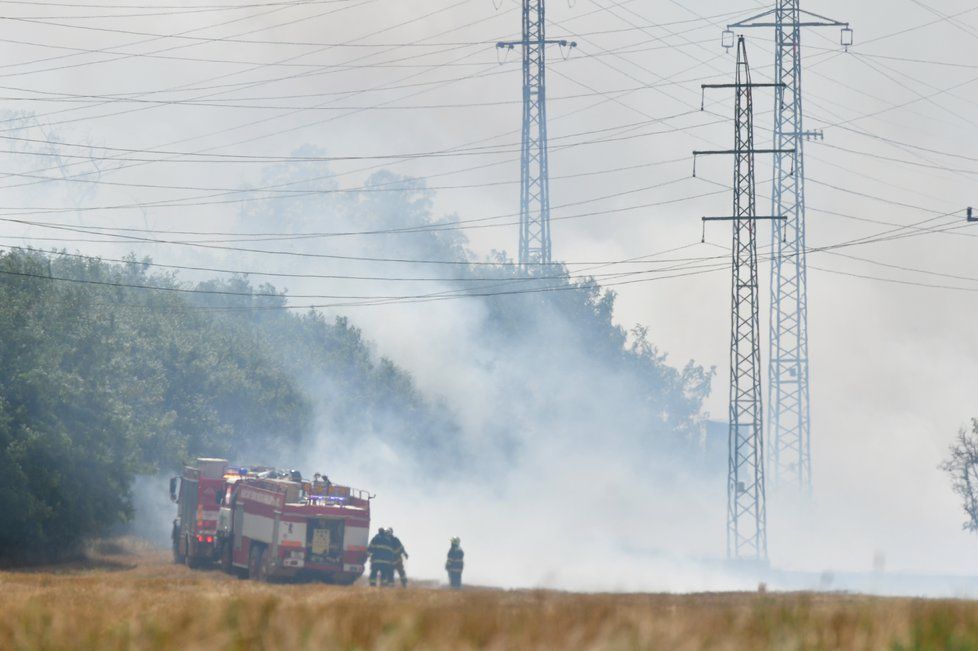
(101,380)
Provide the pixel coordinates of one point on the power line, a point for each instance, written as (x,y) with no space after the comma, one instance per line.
(126,166)
(223,23)
(250,5)
(194,157)
(900,231)
(477,223)
(467,293)
(200,200)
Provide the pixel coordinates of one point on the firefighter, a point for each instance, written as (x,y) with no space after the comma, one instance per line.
(320,484)
(455,564)
(381,559)
(399,555)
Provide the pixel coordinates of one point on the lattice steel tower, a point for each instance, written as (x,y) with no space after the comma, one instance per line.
(789,425)
(746,500)
(535,246)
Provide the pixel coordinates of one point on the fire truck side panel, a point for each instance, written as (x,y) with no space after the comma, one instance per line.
(357,535)
(254,518)
(257,528)
(292,532)
(355,547)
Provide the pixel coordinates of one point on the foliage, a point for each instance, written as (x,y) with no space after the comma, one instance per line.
(102,378)
(962,466)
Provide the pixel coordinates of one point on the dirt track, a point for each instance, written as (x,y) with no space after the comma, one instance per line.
(139,600)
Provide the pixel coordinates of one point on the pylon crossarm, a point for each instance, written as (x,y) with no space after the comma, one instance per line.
(818,21)
(719,152)
(562,42)
(732,152)
(745,218)
(737,85)
(747,22)
(800,24)
(751,85)
(825,20)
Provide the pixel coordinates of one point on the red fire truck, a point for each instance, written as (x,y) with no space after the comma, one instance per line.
(197,493)
(273,524)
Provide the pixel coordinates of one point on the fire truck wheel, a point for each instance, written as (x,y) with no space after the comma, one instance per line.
(178,556)
(256,563)
(344,578)
(226,565)
(192,562)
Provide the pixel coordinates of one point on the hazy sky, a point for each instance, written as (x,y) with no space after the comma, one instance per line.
(893,340)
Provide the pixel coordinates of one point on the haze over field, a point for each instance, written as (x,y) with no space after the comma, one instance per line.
(561,462)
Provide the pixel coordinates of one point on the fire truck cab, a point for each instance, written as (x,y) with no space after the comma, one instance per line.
(198,493)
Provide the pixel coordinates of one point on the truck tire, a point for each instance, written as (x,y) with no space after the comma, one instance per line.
(226,564)
(191,562)
(257,558)
(344,578)
(178,556)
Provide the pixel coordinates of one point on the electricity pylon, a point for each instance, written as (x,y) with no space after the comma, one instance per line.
(746,501)
(789,425)
(535,247)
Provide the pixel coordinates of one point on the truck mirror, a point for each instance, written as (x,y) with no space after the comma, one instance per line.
(173,488)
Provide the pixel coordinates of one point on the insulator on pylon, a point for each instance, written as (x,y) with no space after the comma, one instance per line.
(727,39)
(847,37)
(496,4)
(565,48)
(502,52)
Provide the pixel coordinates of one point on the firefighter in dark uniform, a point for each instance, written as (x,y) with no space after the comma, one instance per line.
(455,563)
(399,555)
(381,558)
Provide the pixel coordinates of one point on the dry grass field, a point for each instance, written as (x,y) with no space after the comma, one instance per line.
(137,600)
